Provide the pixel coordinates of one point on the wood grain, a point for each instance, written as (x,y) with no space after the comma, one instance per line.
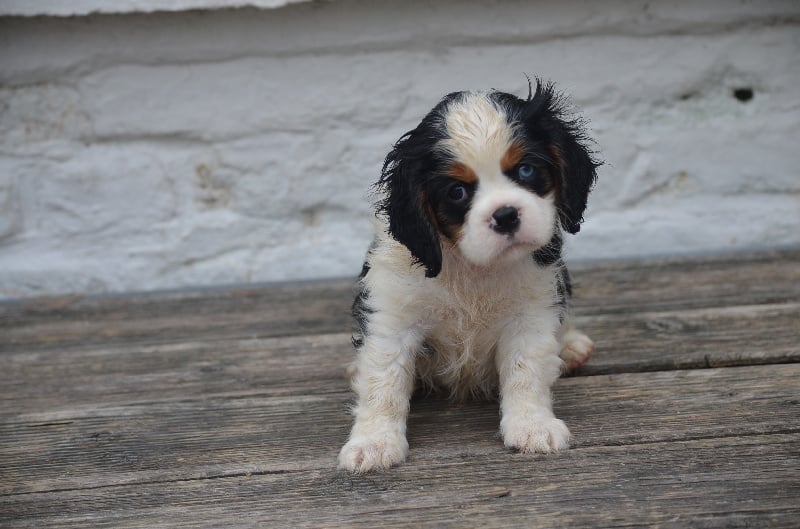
(720,482)
(232,433)
(315,364)
(226,408)
(323,307)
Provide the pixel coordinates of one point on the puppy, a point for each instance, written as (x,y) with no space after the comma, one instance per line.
(464,287)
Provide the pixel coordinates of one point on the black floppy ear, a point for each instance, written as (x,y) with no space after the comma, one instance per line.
(546,117)
(405,199)
(578,173)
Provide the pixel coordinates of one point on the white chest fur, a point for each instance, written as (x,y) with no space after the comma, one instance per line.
(456,320)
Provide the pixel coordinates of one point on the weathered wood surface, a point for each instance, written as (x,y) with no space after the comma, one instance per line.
(226,408)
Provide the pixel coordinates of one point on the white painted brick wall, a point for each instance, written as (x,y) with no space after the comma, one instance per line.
(144,151)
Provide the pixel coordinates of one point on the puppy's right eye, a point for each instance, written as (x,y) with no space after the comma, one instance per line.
(458,194)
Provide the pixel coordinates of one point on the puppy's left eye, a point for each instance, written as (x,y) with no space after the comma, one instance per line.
(526,172)
(534,178)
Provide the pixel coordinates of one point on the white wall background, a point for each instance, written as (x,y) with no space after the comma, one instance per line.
(161,150)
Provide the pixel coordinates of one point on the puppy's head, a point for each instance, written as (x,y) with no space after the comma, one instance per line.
(493,175)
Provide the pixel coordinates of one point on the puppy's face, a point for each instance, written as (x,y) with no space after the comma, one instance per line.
(495,176)
(494,193)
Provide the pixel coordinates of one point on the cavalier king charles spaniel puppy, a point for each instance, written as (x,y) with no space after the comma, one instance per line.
(464,288)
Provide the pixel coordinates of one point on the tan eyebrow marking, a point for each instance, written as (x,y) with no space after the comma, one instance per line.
(459,171)
(512,157)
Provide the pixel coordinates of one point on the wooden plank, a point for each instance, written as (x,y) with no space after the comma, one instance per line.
(80,379)
(727,482)
(323,307)
(675,283)
(227,407)
(170,317)
(220,435)
(693,338)
(313,365)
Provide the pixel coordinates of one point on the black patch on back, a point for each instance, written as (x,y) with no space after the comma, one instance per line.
(360,309)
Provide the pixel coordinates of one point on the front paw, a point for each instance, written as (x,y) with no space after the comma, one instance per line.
(374,452)
(528,434)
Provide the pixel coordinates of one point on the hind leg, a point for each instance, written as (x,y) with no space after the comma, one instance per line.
(576,348)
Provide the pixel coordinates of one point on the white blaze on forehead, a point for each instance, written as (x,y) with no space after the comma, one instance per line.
(479,134)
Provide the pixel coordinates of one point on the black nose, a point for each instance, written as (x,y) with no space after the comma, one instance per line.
(506,220)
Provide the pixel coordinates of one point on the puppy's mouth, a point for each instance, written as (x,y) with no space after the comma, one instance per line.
(515,244)
(501,239)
